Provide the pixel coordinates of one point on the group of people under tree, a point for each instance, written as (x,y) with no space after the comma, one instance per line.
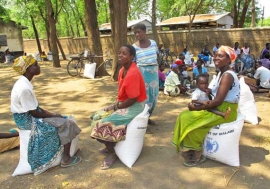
(138,84)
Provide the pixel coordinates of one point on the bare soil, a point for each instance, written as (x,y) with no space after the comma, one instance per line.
(158,166)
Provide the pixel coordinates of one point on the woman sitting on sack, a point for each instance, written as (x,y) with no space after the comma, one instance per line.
(193,125)
(49,131)
(109,125)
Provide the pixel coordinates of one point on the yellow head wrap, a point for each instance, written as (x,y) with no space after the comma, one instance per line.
(22,63)
(229,51)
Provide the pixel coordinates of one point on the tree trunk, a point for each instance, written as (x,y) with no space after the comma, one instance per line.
(36,34)
(192,12)
(253,14)
(244,12)
(235,14)
(119,30)
(53,36)
(154,19)
(61,49)
(93,34)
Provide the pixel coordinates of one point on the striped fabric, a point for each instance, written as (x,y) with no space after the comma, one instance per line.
(146,56)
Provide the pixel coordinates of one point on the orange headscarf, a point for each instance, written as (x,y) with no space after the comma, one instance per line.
(229,51)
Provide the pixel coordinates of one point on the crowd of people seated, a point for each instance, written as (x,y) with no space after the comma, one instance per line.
(244,64)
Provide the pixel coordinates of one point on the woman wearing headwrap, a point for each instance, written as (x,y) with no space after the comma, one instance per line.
(51,134)
(172,85)
(192,125)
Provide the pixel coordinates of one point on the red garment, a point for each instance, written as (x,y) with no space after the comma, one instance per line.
(132,85)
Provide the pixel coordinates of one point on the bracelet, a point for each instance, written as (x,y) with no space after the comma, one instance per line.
(115,107)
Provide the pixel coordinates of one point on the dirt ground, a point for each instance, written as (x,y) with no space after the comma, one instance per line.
(158,166)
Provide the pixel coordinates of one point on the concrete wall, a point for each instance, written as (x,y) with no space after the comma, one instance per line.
(175,40)
(13,33)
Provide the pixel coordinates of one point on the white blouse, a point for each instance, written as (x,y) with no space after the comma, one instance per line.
(23,98)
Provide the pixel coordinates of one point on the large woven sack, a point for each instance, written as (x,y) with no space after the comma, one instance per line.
(129,150)
(23,166)
(222,142)
(247,105)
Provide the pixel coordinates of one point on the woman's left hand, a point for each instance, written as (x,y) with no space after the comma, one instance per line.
(191,106)
(108,108)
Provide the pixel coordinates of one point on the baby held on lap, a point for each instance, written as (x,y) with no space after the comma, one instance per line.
(202,96)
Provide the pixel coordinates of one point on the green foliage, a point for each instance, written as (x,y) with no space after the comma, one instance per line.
(71,18)
(266,22)
(139,9)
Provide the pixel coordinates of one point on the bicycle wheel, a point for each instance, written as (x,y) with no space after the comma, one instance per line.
(72,67)
(108,64)
(80,67)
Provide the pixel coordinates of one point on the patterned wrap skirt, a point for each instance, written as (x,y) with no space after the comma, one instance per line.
(150,76)
(44,143)
(111,126)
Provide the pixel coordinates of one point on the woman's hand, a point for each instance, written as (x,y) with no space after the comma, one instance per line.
(191,106)
(109,108)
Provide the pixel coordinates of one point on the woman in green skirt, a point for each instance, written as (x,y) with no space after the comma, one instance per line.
(193,125)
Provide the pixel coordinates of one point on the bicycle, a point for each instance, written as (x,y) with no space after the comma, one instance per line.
(160,58)
(166,57)
(77,64)
(170,57)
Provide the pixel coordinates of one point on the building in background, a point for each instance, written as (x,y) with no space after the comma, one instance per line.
(106,27)
(11,36)
(201,21)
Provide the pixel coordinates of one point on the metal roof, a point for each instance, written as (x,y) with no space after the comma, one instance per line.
(199,18)
(130,23)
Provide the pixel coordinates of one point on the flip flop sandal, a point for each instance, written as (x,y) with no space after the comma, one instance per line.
(193,163)
(77,159)
(109,161)
(104,151)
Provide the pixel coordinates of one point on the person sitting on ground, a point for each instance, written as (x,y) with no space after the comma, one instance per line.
(161,76)
(9,141)
(202,96)
(265,61)
(205,55)
(184,77)
(185,52)
(262,75)
(238,64)
(265,50)
(178,62)
(215,48)
(46,141)
(236,48)
(199,69)
(130,103)
(247,60)
(192,125)
(172,86)
(193,63)
(8,56)
(182,58)
(43,56)
(246,49)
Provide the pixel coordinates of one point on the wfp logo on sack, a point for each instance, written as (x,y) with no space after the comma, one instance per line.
(211,146)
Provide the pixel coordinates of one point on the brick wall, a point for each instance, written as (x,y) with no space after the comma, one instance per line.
(175,40)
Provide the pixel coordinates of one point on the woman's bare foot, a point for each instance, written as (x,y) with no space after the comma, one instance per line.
(227,113)
(188,155)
